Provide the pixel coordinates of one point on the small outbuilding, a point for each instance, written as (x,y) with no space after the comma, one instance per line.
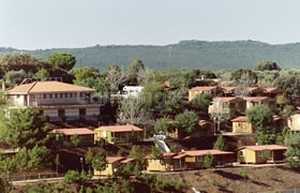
(259,154)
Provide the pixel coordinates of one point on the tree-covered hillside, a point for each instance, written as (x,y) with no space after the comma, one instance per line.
(185,54)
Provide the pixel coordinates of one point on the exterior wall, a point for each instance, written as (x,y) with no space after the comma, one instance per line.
(156,165)
(60,98)
(294,122)
(92,113)
(106,135)
(242,127)
(109,170)
(51,113)
(249,156)
(72,114)
(18,100)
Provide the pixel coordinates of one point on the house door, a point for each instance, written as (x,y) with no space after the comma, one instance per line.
(82,113)
(62,114)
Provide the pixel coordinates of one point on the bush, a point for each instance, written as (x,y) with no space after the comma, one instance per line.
(208,161)
(75,177)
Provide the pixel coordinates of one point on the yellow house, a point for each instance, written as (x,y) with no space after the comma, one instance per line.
(211,90)
(242,125)
(259,100)
(119,133)
(259,154)
(112,164)
(227,105)
(162,164)
(294,122)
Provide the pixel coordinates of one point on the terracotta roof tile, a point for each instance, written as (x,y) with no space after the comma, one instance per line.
(73,131)
(265,147)
(48,87)
(256,99)
(203,88)
(113,159)
(201,153)
(225,99)
(120,128)
(240,119)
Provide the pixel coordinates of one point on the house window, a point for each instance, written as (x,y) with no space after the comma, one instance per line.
(50,96)
(44,96)
(61,95)
(66,95)
(55,95)
(71,95)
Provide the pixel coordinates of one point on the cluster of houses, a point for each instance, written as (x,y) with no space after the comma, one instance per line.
(67,102)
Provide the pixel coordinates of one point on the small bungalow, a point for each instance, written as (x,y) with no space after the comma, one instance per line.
(259,100)
(294,122)
(164,163)
(230,105)
(211,90)
(119,133)
(241,125)
(112,164)
(258,154)
(194,158)
(85,135)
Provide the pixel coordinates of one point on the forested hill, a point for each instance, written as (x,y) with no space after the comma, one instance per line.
(185,54)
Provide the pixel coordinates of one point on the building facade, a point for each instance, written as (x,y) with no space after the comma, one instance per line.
(58,101)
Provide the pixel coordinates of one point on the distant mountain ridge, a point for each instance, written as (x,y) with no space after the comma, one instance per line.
(184,54)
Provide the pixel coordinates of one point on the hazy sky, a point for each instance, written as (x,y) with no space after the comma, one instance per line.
(77,23)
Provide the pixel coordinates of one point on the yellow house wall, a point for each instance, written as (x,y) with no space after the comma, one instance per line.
(249,156)
(156,165)
(242,127)
(109,171)
(190,159)
(294,122)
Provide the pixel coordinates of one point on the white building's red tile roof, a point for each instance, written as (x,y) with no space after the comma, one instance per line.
(265,147)
(48,87)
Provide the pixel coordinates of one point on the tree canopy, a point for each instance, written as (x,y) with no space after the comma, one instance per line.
(64,61)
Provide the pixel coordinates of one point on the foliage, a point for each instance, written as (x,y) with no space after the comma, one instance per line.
(293,153)
(5,186)
(65,61)
(266,135)
(289,84)
(266,65)
(163,125)
(220,143)
(15,77)
(25,160)
(75,177)
(42,74)
(115,77)
(135,72)
(174,101)
(244,76)
(16,62)
(138,154)
(24,128)
(186,121)
(208,161)
(259,116)
(155,152)
(153,96)
(201,102)
(132,110)
(75,140)
(99,161)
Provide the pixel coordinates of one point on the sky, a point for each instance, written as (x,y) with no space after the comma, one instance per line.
(41,24)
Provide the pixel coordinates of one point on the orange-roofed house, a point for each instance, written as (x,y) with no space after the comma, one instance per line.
(112,164)
(58,101)
(119,133)
(194,158)
(229,105)
(164,163)
(241,125)
(271,91)
(85,135)
(259,100)
(211,90)
(258,154)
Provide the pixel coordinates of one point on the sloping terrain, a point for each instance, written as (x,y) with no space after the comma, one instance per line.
(185,54)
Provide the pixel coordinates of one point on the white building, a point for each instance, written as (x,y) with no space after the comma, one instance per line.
(133,91)
(59,101)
